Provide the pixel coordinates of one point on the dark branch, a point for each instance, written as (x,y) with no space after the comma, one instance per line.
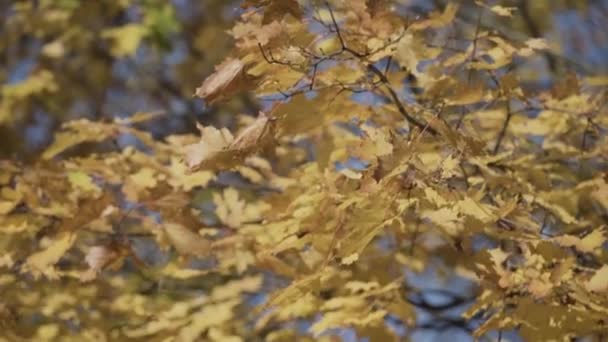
(381,76)
(505,125)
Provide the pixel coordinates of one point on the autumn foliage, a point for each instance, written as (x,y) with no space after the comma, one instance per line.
(384,149)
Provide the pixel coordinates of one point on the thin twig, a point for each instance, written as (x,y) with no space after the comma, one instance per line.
(398,102)
(474,52)
(473,57)
(380,74)
(410,251)
(314,75)
(505,125)
(388,65)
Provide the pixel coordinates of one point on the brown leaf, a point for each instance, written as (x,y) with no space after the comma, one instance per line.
(224,82)
(255,134)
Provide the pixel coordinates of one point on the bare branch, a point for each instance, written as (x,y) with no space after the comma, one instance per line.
(505,125)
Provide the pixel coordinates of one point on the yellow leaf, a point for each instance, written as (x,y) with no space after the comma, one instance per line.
(599,281)
(6,260)
(83,181)
(555,208)
(351,174)
(185,241)
(327,46)
(532,45)
(350,259)
(434,197)
(588,244)
(42,81)
(47,332)
(233,211)
(181,178)
(54,49)
(597,81)
(125,39)
(42,262)
(236,288)
(436,19)
(9,200)
(503,11)
(465,95)
(470,207)
(174,271)
(376,143)
(144,178)
(77,132)
(447,218)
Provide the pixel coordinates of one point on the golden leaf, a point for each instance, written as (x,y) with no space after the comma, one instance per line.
(588,244)
(599,281)
(447,218)
(436,19)
(9,200)
(185,241)
(83,182)
(469,206)
(502,11)
(233,211)
(43,261)
(125,39)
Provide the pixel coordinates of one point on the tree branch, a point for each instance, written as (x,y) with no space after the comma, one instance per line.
(381,76)
(505,125)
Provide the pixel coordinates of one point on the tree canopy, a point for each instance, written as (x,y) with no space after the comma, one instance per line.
(279,170)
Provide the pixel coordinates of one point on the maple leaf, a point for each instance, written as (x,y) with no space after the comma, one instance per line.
(185,241)
(125,39)
(234,212)
(42,262)
(599,281)
(213,141)
(218,148)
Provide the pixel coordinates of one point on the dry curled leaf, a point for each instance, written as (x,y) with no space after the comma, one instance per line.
(255,135)
(225,81)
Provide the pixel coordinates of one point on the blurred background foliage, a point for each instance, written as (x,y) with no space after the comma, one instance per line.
(62,60)
(68,59)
